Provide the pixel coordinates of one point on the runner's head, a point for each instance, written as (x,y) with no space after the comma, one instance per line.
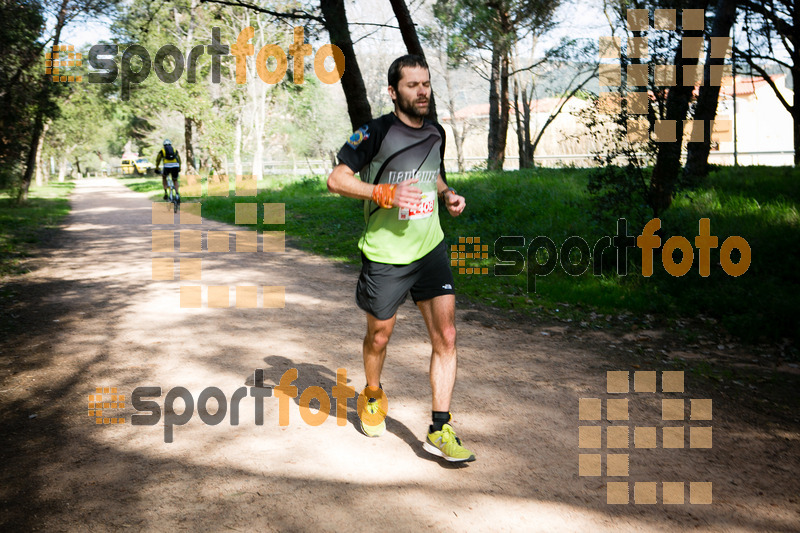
(167,142)
(410,85)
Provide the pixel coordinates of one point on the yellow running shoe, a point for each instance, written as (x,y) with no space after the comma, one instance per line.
(374,407)
(445,444)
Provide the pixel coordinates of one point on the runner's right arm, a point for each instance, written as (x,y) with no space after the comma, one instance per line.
(344,182)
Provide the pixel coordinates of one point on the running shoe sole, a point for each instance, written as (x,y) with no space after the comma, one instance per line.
(430,448)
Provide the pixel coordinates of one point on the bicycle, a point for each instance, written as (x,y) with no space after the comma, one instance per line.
(172,194)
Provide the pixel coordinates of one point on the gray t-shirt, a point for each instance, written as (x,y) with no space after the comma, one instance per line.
(386,150)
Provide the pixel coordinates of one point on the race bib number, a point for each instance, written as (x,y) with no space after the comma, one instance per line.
(423,210)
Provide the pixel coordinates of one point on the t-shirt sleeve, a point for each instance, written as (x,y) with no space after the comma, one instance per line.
(441,150)
(361,147)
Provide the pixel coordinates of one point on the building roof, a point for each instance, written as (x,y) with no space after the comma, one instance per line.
(543,105)
(746,85)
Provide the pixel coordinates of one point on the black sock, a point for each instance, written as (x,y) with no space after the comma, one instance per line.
(370,400)
(440,418)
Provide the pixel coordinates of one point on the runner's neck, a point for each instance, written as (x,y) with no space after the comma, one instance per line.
(409,121)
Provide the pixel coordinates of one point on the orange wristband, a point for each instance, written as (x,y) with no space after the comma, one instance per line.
(383,195)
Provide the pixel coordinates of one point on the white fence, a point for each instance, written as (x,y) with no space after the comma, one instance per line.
(323,167)
(773,158)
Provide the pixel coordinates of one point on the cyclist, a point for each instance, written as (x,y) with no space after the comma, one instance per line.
(172,165)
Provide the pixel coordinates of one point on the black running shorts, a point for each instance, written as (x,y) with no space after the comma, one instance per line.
(383,288)
(174,171)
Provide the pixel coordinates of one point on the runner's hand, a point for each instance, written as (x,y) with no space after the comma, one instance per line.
(455,203)
(406,195)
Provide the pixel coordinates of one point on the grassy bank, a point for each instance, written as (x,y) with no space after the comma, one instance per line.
(23,227)
(759,204)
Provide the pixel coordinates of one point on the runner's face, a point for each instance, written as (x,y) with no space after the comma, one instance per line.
(413,91)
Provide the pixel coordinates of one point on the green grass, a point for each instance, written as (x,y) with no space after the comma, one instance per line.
(759,204)
(22,227)
(315,220)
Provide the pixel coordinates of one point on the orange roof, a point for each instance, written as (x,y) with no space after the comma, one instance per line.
(474,110)
(745,85)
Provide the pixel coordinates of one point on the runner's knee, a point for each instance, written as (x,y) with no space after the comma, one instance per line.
(446,338)
(378,340)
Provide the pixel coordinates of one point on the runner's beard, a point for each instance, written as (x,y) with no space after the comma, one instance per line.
(409,107)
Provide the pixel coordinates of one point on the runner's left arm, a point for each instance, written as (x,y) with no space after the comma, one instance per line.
(454,202)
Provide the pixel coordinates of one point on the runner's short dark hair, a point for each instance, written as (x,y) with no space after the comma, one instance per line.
(409,60)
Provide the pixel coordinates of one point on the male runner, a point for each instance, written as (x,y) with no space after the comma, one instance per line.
(399,158)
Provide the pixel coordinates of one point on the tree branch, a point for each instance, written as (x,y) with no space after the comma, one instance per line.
(373,24)
(767,78)
(782,26)
(766,58)
(530,67)
(293,15)
(553,116)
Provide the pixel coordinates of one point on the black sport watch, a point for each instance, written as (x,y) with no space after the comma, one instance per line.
(449,189)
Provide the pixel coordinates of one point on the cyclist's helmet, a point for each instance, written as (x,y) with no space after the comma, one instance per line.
(167,142)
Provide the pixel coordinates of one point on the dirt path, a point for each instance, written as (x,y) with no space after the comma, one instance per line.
(92,317)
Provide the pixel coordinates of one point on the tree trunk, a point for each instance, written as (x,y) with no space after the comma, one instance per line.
(212,160)
(237,147)
(498,112)
(526,127)
(257,169)
(504,110)
(495,160)
(795,70)
(78,166)
(523,162)
(258,97)
(187,137)
(706,110)
(796,123)
(33,150)
(39,164)
(62,169)
(188,119)
(459,131)
(668,159)
(411,40)
(43,101)
(335,21)
(458,134)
